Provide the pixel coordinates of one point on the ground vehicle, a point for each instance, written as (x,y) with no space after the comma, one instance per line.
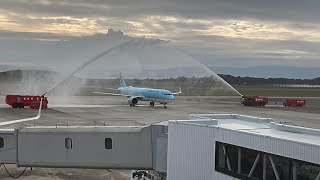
(254,100)
(19,101)
(294,102)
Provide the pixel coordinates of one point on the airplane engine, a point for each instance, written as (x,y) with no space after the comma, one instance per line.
(133,101)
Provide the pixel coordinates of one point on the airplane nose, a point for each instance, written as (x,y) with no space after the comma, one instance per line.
(172,97)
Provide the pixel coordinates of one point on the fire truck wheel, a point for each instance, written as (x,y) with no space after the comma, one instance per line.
(21,105)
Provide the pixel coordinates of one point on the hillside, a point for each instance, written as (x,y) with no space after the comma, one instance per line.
(38,82)
(270,71)
(267,81)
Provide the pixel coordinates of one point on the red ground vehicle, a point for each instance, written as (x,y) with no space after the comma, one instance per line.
(294,102)
(254,100)
(18,101)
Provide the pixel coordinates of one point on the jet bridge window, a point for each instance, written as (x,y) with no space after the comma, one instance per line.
(108,143)
(68,143)
(1,142)
(226,158)
(306,171)
(249,164)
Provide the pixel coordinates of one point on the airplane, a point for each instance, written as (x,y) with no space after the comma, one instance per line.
(136,94)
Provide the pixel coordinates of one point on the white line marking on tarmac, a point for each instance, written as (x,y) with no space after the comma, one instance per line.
(17,121)
(84,105)
(23,120)
(102,105)
(271,105)
(4,105)
(97,105)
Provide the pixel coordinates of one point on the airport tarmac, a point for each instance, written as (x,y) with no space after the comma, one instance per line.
(115,111)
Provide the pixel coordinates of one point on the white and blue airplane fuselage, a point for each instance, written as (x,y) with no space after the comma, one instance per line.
(162,96)
(136,94)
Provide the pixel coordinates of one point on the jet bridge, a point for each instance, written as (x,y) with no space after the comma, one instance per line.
(107,147)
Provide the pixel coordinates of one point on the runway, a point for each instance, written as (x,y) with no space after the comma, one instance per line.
(106,110)
(115,111)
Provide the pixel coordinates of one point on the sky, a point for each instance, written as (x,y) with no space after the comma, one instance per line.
(229,33)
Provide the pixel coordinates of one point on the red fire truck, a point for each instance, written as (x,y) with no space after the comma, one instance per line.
(18,101)
(254,101)
(294,102)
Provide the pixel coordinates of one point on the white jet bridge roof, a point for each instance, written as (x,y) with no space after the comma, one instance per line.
(259,126)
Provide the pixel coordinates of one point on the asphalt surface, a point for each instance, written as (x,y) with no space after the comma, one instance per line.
(115,111)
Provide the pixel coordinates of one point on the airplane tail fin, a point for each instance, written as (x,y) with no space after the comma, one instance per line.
(122,82)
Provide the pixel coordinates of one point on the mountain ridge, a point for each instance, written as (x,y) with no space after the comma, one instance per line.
(270,71)
(39,74)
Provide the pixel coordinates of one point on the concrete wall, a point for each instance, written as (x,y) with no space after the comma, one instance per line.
(190,152)
(160,164)
(159,147)
(8,152)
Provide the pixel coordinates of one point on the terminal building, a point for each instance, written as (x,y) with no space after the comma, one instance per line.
(227,147)
(206,147)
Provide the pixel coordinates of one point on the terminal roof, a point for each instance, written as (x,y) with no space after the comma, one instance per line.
(255,125)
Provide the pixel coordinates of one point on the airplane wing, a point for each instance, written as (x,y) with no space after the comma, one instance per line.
(113,89)
(125,95)
(113,94)
(177,93)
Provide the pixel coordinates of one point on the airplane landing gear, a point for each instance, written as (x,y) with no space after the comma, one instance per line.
(165,105)
(151,103)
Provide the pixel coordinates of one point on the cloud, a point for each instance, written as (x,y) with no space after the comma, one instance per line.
(213,30)
(283,10)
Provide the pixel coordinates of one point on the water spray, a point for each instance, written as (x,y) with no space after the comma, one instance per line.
(212,73)
(87,63)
